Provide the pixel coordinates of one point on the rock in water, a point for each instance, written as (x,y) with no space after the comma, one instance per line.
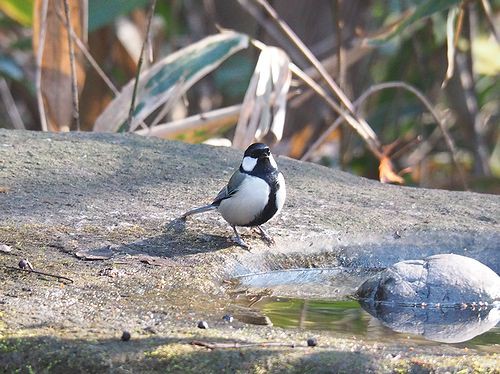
(446,298)
(443,279)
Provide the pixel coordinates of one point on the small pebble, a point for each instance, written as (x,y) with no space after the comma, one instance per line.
(228,318)
(202,325)
(125,336)
(25,264)
(312,342)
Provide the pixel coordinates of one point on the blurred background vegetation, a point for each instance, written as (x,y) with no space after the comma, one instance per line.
(360,43)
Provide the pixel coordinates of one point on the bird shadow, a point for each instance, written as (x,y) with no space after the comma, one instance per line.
(175,240)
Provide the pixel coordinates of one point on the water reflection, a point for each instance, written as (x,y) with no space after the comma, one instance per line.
(453,324)
(304,306)
(446,325)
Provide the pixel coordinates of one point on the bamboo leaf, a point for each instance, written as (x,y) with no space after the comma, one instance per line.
(10,68)
(451,34)
(169,78)
(486,52)
(421,11)
(105,12)
(264,106)
(187,128)
(55,65)
(19,11)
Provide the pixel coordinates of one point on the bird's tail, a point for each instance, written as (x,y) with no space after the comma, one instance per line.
(201,209)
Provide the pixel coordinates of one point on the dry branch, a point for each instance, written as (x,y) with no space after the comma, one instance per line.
(29,270)
(39,58)
(139,65)
(378,87)
(10,105)
(216,345)
(74,82)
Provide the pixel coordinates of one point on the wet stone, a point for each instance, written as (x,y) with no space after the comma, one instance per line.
(446,298)
(203,325)
(444,279)
(312,342)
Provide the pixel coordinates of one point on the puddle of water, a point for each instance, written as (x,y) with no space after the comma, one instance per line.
(347,317)
(320,300)
(331,283)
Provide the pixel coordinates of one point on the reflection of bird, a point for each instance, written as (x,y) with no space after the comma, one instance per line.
(255,193)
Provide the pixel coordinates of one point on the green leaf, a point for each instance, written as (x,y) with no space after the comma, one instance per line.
(9,68)
(19,10)
(104,12)
(421,11)
(486,52)
(169,78)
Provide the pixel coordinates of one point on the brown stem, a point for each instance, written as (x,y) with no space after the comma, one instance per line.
(139,65)
(10,105)
(215,345)
(74,82)
(94,63)
(41,273)
(39,58)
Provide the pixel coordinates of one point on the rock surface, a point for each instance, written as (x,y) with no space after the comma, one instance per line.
(95,208)
(446,279)
(446,298)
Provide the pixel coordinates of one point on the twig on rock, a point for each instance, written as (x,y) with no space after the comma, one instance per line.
(215,345)
(30,270)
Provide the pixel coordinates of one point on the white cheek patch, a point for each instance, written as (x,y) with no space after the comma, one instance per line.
(248,163)
(273,162)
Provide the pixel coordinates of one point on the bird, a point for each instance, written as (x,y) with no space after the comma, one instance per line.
(255,193)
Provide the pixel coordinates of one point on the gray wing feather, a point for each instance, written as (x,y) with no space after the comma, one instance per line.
(231,187)
(226,192)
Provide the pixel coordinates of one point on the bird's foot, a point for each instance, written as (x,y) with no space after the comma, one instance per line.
(237,240)
(265,236)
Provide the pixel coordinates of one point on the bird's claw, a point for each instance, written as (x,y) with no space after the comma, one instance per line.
(240,242)
(266,237)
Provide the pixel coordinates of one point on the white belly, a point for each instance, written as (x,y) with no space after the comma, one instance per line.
(250,199)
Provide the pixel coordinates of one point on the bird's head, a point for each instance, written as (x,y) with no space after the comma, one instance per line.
(258,157)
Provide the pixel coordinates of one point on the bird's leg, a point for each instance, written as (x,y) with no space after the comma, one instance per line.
(237,239)
(265,236)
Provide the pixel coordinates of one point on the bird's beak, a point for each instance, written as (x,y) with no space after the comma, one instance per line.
(266,155)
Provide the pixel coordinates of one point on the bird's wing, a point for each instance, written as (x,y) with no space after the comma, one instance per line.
(231,188)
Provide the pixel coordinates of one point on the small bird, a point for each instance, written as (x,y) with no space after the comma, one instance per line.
(255,193)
